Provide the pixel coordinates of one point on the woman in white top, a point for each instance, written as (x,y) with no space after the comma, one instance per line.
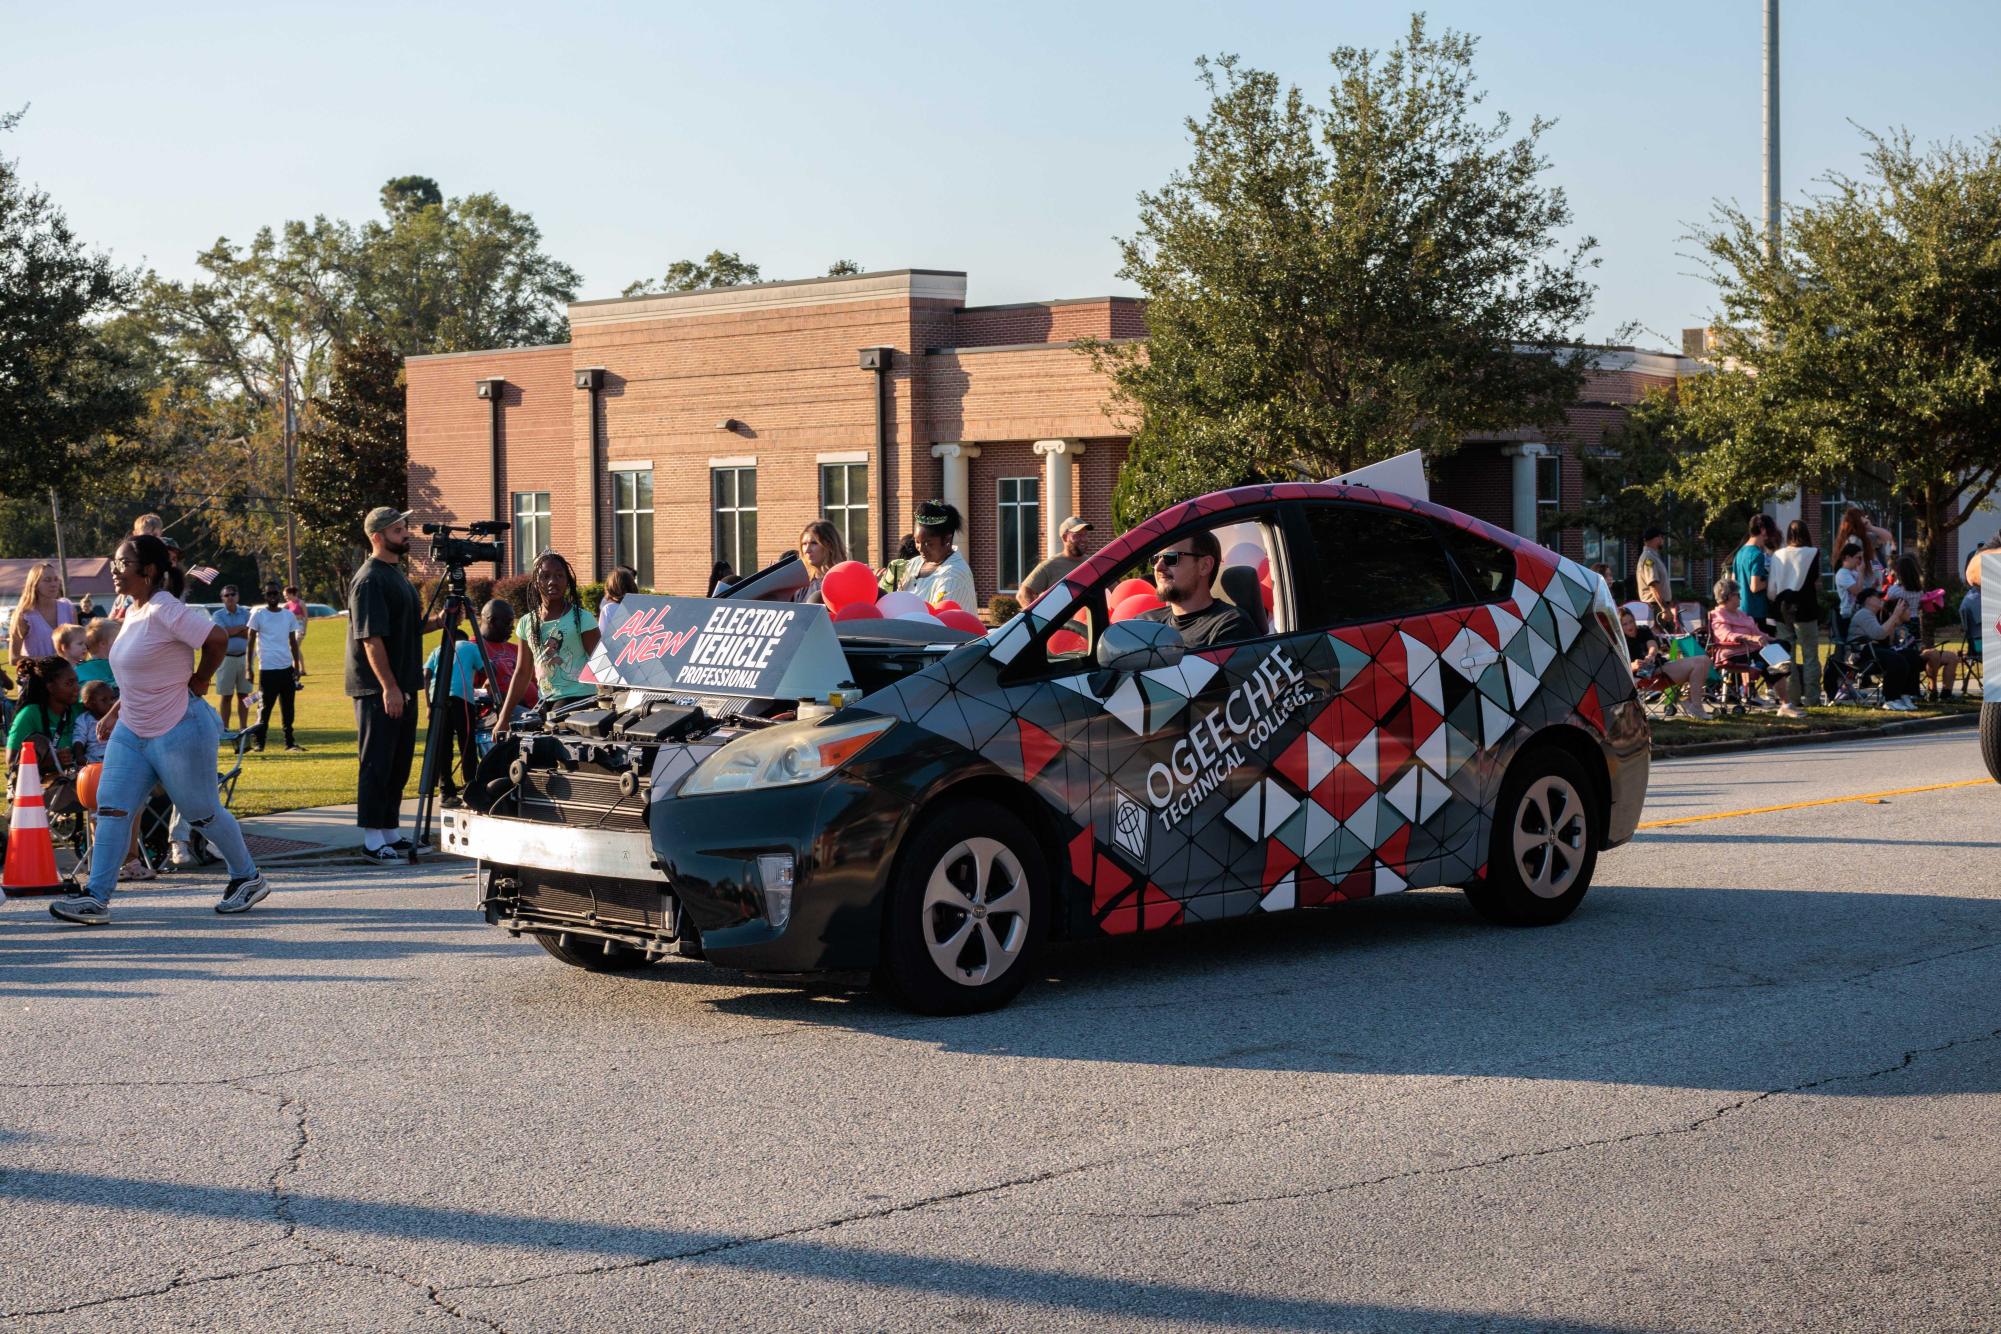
(41,611)
(940,573)
(160,731)
(611,608)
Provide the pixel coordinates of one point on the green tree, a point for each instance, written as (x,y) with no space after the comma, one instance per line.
(719,268)
(1327,287)
(352,455)
(63,384)
(1868,341)
(844,268)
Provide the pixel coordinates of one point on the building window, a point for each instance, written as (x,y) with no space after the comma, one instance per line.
(735,494)
(844,503)
(632,521)
(1020,528)
(531,528)
(1548,491)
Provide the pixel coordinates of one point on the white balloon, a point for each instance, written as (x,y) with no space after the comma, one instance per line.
(921,614)
(1244,553)
(896,604)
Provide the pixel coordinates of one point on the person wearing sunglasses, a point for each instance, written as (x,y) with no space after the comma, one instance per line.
(1183,575)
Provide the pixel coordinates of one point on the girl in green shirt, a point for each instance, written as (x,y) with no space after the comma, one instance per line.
(48,709)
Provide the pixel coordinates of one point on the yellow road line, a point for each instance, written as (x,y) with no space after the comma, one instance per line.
(1803,805)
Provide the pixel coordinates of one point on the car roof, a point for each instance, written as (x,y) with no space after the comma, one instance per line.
(1117,554)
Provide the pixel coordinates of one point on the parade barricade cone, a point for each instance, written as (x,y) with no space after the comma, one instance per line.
(31,853)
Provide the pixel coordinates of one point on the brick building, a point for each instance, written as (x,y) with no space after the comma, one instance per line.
(674,431)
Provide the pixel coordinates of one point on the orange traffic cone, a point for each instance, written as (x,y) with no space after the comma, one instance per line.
(31,853)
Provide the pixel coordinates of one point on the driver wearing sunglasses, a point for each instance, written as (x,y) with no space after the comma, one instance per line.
(1183,575)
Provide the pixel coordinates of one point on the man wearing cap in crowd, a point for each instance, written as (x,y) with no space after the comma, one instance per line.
(385,652)
(232,679)
(1075,547)
(1654,581)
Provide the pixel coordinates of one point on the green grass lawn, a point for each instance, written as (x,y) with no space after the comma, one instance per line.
(325,774)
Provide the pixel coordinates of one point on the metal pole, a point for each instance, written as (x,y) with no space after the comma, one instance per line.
(1771,127)
(291,457)
(62,561)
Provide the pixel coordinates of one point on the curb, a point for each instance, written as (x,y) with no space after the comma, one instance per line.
(1693,748)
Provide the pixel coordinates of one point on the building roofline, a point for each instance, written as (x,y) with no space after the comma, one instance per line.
(943,285)
(484,352)
(1043,305)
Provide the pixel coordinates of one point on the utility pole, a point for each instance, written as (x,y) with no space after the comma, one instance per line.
(291,457)
(62,561)
(1771,127)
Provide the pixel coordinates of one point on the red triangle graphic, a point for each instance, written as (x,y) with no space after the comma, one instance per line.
(1080,857)
(1038,748)
(1591,709)
(1279,859)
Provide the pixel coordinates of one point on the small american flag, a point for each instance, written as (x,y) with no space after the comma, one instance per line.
(206,573)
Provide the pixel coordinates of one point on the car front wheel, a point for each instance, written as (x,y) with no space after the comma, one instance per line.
(1990,739)
(1545,843)
(967,912)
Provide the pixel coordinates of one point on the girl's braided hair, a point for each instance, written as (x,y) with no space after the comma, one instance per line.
(569,579)
(38,674)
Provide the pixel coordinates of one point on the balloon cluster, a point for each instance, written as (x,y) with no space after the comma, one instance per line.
(849,590)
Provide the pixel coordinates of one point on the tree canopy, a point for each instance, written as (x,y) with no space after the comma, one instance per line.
(719,268)
(1329,286)
(352,455)
(1868,342)
(63,383)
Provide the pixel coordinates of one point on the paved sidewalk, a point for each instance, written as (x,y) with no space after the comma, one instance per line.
(312,833)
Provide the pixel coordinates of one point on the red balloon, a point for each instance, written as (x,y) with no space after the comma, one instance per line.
(1067,641)
(1135,605)
(1130,588)
(962,620)
(1264,593)
(858,611)
(947,605)
(848,584)
(1264,570)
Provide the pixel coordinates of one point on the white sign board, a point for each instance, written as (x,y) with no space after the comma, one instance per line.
(1403,475)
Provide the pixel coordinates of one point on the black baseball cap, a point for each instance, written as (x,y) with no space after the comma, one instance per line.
(1651,534)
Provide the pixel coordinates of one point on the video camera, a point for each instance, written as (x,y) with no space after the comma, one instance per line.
(459,552)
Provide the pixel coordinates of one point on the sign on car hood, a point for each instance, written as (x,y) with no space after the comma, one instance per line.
(706,646)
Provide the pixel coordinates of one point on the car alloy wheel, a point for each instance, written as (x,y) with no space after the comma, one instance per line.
(1549,835)
(976,911)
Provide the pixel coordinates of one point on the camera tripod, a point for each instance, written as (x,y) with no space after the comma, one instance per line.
(452,591)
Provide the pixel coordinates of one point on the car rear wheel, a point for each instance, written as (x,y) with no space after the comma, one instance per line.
(1545,843)
(967,912)
(1990,739)
(591,954)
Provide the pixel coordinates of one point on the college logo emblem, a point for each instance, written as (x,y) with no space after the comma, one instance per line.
(1129,826)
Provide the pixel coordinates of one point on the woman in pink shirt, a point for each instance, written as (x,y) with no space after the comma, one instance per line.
(1733,635)
(160,731)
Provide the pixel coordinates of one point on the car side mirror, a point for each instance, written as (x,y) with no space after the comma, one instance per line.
(1139,646)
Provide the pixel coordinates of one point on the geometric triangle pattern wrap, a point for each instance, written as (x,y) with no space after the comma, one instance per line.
(1294,770)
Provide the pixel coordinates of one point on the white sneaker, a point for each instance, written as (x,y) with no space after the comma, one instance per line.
(1788,711)
(182,858)
(1900,705)
(81,909)
(243,894)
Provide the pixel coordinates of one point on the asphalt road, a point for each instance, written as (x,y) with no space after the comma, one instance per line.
(1753,1083)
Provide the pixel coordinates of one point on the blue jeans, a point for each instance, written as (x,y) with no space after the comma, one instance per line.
(183,762)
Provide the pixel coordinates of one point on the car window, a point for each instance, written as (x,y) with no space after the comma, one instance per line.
(1373,565)
(1488,568)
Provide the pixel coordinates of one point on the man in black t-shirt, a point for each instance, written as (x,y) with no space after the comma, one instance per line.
(385,641)
(1183,575)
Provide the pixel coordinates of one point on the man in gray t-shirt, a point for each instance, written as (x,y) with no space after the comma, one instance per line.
(1876,635)
(1076,546)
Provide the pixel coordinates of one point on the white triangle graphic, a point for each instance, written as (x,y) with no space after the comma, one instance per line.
(1566,627)
(1320,825)
(1506,623)
(1427,687)
(1417,656)
(1494,720)
(1279,806)
(1363,756)
(1320,760)
(1281,896)
(1389,882)
(1541,654)
(1403,797)
(1521,684)
(1432,793)
(1432,750)
(1243,813)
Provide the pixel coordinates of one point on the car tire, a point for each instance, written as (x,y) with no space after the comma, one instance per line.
(941,952)
(1545,842)
(591,954)
(1990,739)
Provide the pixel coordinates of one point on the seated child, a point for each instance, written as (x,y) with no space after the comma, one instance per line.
(97,637)
(49,711)
(496,628)
(97,697)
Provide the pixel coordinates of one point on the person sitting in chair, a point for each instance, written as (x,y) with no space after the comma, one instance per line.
(1886,639)
(1734,637)
(1654,669)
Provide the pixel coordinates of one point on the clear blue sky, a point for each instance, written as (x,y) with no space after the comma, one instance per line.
(1006,140)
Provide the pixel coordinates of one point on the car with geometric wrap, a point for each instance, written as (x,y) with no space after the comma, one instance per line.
(1415,699)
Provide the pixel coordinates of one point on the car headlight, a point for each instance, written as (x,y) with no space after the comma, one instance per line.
(781,756)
